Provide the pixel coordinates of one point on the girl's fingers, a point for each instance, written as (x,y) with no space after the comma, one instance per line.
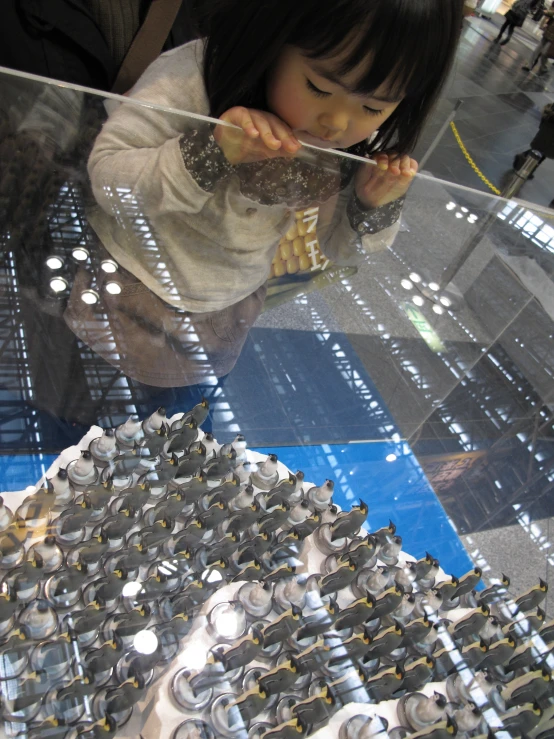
(414,166)
(266,133)
(282,133)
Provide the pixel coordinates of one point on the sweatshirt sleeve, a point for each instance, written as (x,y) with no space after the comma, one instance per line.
(347,232)
(138,151)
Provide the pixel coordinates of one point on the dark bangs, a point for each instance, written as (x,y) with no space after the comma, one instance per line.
(405,47)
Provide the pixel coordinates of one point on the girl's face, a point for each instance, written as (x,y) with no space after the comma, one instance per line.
(320,106)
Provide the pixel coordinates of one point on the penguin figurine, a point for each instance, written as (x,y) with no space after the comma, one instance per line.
(27,575)
(31,690)
(440,730)
(38,505)
(280,678)
(172,506)
(469,581)
(499,653)
(319,622)
(417,673)
(165,471)
(125,463)
(154,445)
(101,493)
(125,696)
(521,720)
(251,571)
(546,632)
(8,603)
(287,487)
(308,526)
(76,517)
(383,536)
(137,495)
(470,624)
(92,550)
(415,631)
(532,598)
(388,601)
(126,625)
(225,492)
(314,657)
(105,728)
(356,613)
(199,414)
(242,651)
(16,648)
(179,626)
(381,686)
(109,588)
(287,730)
(526,626)
(244,518)
(71,579)
(267,474)
(181,438)
(347,524)
(223,548)
(315,709)
(89,619)
(251,703)
(253,548)
(195,488)
(351,649)
(282,627)
(339,579)
(132,558)
(76,691)
(216,513)
(467,718)
(190,463)
(447,589)
(105,656)
(386,641)
(319,497)
(495,592)
(362,551)
(153,587)
(190,536)
(473,654)
(526,688)
(152,536)
(279,573)
(273,520)
(50,728)
(523,656)
(224,463)
(116,527)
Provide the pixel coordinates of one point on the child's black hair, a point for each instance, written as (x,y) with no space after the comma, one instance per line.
(411,44)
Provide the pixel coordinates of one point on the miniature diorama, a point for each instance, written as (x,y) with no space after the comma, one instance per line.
(161,584)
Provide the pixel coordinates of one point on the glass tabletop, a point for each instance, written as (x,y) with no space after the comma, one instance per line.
(252,433)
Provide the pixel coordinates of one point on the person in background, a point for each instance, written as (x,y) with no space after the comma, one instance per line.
(545,48)
(79,41)
(515,18)
(543,141)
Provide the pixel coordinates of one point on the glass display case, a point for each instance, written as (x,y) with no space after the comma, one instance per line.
(267,469)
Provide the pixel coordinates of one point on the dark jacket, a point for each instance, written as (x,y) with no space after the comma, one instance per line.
(544,140)
(59,39)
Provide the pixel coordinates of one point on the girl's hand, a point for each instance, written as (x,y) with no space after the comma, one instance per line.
(263,136)
(387,180)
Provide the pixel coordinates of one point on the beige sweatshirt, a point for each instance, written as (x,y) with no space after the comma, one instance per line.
(203,249)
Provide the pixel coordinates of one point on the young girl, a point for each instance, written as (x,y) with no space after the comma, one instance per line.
(193,213)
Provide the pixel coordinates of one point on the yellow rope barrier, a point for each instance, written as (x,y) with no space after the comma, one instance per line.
(476,169)
(472,164)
